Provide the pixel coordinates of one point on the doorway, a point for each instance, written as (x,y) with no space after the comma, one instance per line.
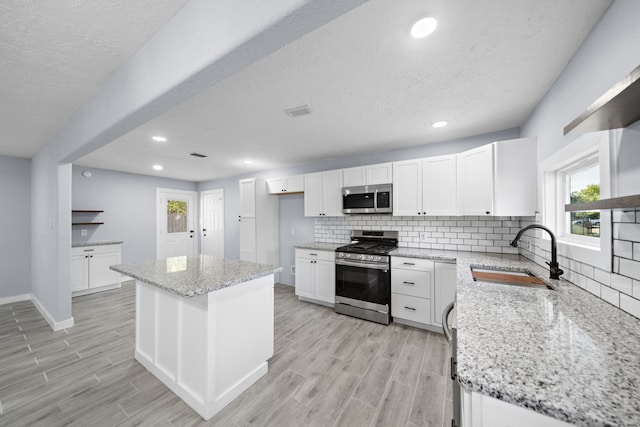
(212,221)
(175,223)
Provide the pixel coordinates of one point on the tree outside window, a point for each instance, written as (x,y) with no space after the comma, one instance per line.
(176,216)
(584,186)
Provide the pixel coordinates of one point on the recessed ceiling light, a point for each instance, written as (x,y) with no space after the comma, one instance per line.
(159,138)
(247,162)
(440,124)
(423,27)
(157,167)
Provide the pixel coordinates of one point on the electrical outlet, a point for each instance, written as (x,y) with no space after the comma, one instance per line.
(83,232)
(424,236)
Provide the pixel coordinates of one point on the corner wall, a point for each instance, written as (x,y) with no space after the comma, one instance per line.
(15,229)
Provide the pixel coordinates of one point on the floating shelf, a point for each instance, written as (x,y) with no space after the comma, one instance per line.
(626,202)
(87,223)
(617,108)
(85,211)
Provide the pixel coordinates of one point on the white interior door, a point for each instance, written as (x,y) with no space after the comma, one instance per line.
(212,203)
(175,223)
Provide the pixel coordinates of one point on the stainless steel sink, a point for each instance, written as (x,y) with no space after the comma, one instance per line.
(523,278)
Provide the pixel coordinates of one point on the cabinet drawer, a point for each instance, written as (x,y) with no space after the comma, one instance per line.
(411,308)
(409,282)
(418,264)
(98,249)
(316,254)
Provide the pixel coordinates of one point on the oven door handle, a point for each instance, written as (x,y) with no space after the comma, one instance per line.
(361,265)
(445,323)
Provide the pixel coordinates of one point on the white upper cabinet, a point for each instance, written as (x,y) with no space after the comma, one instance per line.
(287,184)
(407,188)
(323,193)
(439,185)
(515,177)
(475,175)
(498,179)
(368,175)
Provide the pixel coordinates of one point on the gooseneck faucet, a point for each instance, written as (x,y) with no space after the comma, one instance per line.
(554,268)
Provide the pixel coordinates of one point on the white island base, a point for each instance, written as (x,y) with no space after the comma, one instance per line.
(209,348)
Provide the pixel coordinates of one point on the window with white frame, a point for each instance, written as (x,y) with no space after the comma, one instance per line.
(579,172)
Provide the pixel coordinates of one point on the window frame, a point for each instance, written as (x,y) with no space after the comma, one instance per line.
(574,156)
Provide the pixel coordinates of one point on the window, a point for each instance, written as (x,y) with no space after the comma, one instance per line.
(176,216)
(579,172)
(582,184)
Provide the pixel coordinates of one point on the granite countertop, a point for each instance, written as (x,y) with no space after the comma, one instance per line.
(320,246)
(563,352)
(200,275)
(101,243)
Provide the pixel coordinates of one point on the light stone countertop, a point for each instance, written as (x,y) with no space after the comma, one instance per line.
(200,275)
(319,246)
(101,243)
(564,353)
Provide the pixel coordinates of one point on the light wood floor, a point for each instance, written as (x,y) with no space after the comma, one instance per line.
(328,370)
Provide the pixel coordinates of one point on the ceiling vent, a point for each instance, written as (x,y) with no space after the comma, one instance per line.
(303,110)
(198,155)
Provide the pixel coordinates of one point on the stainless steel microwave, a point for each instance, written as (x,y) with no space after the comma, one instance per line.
(367,199)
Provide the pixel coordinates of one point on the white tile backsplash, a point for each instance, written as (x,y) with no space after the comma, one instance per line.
(492,234)
(621,287)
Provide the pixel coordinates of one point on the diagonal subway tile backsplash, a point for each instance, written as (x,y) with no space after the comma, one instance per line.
(465,233)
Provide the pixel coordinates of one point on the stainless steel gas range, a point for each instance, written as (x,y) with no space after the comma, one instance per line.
(363,275)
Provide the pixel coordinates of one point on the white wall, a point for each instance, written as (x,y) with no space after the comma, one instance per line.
(129,205)
(15,230)
(607,55)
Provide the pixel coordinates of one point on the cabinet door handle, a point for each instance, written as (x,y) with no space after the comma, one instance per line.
(408,263)
(89,250)
(410,308)
(409,283)
(314,254)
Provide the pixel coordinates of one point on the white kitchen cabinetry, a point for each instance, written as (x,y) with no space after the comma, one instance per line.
(420,291)
(425,186)
(287,184)
(368,175)
(479,410)
(407,188)
(439,185)
(90,270)
(258,228)
(444,291)
(498,179)
(316,276)
(411,291)
(323,193)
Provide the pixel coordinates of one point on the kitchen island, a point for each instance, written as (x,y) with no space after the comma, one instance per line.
(204,326)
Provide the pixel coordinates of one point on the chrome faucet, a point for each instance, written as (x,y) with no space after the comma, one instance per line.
(554,268)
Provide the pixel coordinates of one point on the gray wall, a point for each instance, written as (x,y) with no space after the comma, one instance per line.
(15,228)
(129,205)
(295,218)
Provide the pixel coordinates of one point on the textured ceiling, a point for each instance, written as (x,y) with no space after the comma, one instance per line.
(368,84)
(55,54)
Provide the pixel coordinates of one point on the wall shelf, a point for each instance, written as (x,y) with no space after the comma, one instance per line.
(617,108)
(626,202)
(84,217)
(87,223)
(86,211)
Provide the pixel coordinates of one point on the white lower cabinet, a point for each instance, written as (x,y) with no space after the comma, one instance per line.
(90,270)
(479,410)
(316,275)
(420,291)
(411,290)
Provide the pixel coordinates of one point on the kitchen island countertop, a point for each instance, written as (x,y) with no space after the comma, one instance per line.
(191,276)
(561,352)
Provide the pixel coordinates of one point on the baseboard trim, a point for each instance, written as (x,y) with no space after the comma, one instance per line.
(16,298)
(56,326)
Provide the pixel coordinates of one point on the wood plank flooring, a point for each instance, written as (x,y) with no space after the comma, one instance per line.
(328,370)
